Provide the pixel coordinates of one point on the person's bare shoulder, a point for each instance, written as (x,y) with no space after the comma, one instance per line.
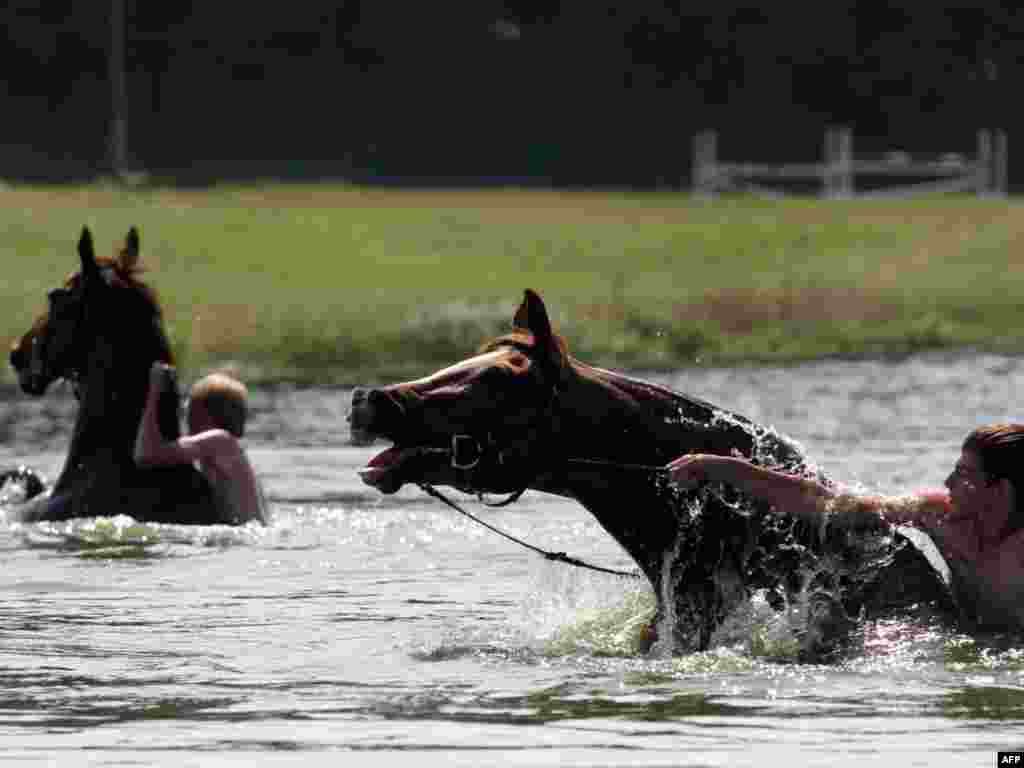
(213,444)
(1012,549)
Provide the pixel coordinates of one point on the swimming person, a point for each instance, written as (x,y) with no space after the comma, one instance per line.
(977,522)
(215,416)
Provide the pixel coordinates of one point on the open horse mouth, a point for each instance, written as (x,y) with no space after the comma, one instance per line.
(393,467)
(377,415)
(383,471)
(30,369)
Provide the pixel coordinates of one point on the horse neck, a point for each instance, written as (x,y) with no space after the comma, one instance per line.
(614,434)
(117,378)
(609,416)
(112,398)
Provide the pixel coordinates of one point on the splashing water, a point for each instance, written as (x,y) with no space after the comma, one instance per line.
(20,485)
(569,611)
(12,492)
(124,537)
(797,598)
(618,630)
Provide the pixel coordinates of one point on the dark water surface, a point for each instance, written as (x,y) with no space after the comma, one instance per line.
(389,630)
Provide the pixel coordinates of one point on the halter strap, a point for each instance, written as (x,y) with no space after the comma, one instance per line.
(466,453)
(561,557)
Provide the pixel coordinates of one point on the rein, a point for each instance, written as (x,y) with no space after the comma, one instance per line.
(560,557)
(466,453)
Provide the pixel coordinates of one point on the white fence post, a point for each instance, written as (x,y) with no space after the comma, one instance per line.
(1000,181)
(838,170)
(831,162)
(705,163)
(846,160)
(991,164)
(983,163)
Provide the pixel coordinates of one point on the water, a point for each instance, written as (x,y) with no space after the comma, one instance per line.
(379,629)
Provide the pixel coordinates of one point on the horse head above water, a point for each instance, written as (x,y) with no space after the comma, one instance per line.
(92,301)
(523,413)
(102,332)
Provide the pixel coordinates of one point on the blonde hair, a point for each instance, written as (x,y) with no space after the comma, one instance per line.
(225,398)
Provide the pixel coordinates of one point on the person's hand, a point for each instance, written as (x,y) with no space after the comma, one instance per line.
(159,374)
(688,471)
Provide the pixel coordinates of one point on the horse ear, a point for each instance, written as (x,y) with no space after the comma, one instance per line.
(129,255)
(86,253)
(532,316)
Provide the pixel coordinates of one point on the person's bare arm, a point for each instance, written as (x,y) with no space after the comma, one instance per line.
(808,499)
(789,494)
(925,508)
(151,448)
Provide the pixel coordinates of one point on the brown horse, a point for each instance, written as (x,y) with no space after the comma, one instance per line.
(522,413)
(102,332)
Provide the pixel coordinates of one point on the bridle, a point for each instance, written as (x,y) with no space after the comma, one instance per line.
(70,372)
(38,367)
(488,452)
(467,453)
(473,456)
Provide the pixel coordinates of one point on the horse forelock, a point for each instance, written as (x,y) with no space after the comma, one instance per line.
(119,275)
(521,340)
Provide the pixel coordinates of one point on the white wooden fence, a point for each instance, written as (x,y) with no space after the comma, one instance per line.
(984,174)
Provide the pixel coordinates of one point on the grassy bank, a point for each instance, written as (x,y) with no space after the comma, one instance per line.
(334,283)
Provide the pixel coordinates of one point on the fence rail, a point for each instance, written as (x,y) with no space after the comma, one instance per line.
(985,173)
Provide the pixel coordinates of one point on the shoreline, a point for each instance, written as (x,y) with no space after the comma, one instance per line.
(266,378)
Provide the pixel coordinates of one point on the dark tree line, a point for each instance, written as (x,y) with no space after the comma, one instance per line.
(552,91)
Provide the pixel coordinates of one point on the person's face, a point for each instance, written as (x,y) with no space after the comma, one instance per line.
(978,494)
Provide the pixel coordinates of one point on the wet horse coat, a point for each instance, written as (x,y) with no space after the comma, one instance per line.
(102,332)
(524,414)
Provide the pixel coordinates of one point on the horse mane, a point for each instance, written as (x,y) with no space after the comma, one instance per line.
(622,386)
(519,338)
(628,385)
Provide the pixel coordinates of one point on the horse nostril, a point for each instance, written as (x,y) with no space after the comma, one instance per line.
(359,396)
(357,405)
(374,409)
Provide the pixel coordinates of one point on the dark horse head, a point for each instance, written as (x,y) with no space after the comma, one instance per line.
(86,308)
(523,413)
(102,332)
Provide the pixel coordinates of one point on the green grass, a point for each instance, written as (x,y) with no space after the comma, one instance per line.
(338,284)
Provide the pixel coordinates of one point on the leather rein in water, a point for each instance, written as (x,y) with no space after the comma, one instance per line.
(560,557)
(467,452)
